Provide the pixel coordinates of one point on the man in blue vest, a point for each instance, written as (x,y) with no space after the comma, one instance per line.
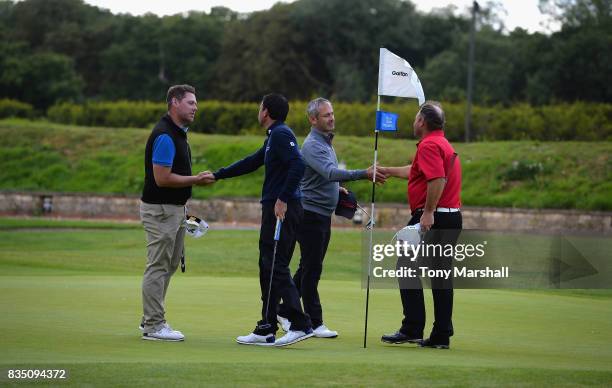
(167,187)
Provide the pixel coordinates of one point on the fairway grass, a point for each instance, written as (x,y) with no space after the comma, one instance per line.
(88,325)
(75,304)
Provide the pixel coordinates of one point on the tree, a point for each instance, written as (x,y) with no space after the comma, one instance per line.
(40,79)
(581,60)
(302,49)
(575,13)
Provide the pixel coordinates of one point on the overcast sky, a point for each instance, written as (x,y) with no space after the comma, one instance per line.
(518,13)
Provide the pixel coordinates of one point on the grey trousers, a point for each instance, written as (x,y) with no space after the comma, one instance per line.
(165,241)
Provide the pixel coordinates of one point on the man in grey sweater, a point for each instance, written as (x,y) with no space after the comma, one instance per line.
(320,190)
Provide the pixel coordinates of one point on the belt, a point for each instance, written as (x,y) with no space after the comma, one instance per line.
(442,210)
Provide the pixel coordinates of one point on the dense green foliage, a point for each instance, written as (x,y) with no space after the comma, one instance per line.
(578,121)
(66,50)
(44,156)
(14,108)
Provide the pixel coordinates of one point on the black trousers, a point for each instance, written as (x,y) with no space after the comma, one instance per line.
(445,230)
(282,283)
(313,236)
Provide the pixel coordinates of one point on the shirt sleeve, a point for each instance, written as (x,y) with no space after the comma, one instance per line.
(163,151)
(431,161)
(320,160)
(244,166)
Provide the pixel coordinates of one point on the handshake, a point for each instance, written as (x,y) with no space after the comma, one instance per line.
(205,178)
(381,174)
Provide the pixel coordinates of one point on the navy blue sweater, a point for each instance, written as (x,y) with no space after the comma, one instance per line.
(284,165)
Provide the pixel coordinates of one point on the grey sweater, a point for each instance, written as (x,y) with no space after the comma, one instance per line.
(320,182)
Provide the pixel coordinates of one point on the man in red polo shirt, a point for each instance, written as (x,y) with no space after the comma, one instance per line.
(434,186)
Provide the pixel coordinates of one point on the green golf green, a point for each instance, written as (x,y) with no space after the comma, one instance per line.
(71,300)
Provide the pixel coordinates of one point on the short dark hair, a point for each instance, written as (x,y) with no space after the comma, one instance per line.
(277,106)
(432,113)
(178,92)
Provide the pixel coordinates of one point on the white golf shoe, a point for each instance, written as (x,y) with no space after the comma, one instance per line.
(256,339)
(142,328)
(168,326)
(164,334)
(323,332)
(292,337)
(284,323)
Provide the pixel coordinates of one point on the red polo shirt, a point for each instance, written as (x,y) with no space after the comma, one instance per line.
(433,160)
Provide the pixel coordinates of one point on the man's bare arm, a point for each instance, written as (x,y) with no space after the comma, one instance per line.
(164,177)
(434,192)
(402,172)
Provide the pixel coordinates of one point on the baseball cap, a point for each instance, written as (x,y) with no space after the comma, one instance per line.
(347,205)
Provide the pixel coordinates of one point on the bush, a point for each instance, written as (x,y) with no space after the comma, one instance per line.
(522,170)
(507,173)
(577,121)
(14,108)
(138,114)
(226,118)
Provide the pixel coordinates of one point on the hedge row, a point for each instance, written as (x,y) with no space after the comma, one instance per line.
(14,108)
(577,121)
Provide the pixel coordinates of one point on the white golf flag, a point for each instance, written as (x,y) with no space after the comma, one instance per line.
(397,78)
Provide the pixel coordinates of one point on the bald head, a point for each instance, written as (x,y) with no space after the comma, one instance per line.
(433,115)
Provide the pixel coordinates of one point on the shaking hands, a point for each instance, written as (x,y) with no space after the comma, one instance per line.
(205,178)
(381,174)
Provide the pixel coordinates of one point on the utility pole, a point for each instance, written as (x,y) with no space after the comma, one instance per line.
(470,74)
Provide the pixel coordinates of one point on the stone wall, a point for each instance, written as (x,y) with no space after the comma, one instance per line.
(247,211)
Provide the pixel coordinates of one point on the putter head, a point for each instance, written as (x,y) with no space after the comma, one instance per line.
(369,225)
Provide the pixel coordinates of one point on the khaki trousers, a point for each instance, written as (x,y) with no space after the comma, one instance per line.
(165,241)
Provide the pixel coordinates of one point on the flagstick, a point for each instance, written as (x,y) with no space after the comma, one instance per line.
(372,223)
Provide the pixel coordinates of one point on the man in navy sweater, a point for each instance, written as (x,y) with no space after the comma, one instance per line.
(280,198)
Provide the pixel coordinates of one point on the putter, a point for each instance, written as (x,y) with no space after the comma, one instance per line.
(277,230)
(369,224)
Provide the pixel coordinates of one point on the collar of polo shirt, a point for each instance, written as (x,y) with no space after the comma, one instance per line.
(435,132)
